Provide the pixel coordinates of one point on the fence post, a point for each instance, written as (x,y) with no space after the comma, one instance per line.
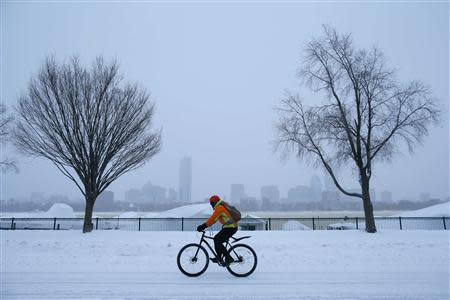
(96,223)
(270,223)
(400,221)
(139,228)
(443,220)
(54,223)
(182,224)
(314,225)
(357,226)
(12,223)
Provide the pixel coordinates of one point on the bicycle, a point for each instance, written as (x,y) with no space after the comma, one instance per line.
(193,259)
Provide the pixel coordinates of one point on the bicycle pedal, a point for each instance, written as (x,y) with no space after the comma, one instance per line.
(227,263)
(214,260)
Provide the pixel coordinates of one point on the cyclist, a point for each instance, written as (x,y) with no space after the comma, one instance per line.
(228,229)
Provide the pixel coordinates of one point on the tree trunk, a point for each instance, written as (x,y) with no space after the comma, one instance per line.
(88,226)
(368,207)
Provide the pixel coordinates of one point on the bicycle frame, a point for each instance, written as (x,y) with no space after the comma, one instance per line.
(203,240)
(241,254)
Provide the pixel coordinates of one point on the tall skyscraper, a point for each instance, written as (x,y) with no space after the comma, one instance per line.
(185,180)
(237,192)
(316,188)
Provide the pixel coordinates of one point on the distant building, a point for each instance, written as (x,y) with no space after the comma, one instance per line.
(58,199)
(251,222)
(271,193)
(266,204)
(185,180)
(237,192)
(331,199)
(248,204)
(153,193)
(105,201)
(172,195)
(133,195)
(316,188)
(300,193)
(345,198)
(386,196)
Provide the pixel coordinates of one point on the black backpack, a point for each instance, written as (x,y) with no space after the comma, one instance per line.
(234,212)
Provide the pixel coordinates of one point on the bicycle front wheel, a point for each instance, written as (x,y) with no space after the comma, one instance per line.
(193,260)
(245,260)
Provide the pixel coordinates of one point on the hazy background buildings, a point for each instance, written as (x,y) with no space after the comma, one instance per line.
(311,196)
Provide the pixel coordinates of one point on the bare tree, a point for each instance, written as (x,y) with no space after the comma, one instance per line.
(6,163)
(88,123)
(365,115)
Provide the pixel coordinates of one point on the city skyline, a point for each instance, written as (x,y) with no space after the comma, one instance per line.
(314,196)
(306,191)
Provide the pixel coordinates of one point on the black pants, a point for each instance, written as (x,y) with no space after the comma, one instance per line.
(221,238)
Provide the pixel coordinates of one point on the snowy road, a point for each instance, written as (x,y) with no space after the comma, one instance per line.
(292,265)
(213,285)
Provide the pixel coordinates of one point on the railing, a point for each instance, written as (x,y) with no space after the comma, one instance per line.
(190,224)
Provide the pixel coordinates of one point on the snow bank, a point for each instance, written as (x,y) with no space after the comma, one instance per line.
(294,225)
(187,211)
(129,214)
(59,210)
(438,210)
(151,215)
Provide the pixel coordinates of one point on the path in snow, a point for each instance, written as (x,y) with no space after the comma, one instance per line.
(295,265)
(219,285)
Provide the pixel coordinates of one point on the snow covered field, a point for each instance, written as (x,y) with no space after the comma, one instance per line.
(292,265)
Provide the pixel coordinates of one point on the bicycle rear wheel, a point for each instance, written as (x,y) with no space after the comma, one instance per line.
(193,260)
(245,260)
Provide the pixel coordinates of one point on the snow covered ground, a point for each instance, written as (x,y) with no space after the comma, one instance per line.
(292,265)
(438,210)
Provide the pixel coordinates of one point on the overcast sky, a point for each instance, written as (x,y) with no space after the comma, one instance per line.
(215,72)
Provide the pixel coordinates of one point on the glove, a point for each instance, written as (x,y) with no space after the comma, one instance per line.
(201,227)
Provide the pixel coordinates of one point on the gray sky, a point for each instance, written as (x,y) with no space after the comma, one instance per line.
(215,71)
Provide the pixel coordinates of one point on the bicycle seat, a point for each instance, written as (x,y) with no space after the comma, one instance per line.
(238,239)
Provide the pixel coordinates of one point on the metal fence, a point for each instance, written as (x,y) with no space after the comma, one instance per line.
(190,224)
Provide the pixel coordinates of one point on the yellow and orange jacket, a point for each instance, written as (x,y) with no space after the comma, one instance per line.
(223,215)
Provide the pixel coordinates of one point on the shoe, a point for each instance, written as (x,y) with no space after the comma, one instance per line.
(228,261)
(215,260)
